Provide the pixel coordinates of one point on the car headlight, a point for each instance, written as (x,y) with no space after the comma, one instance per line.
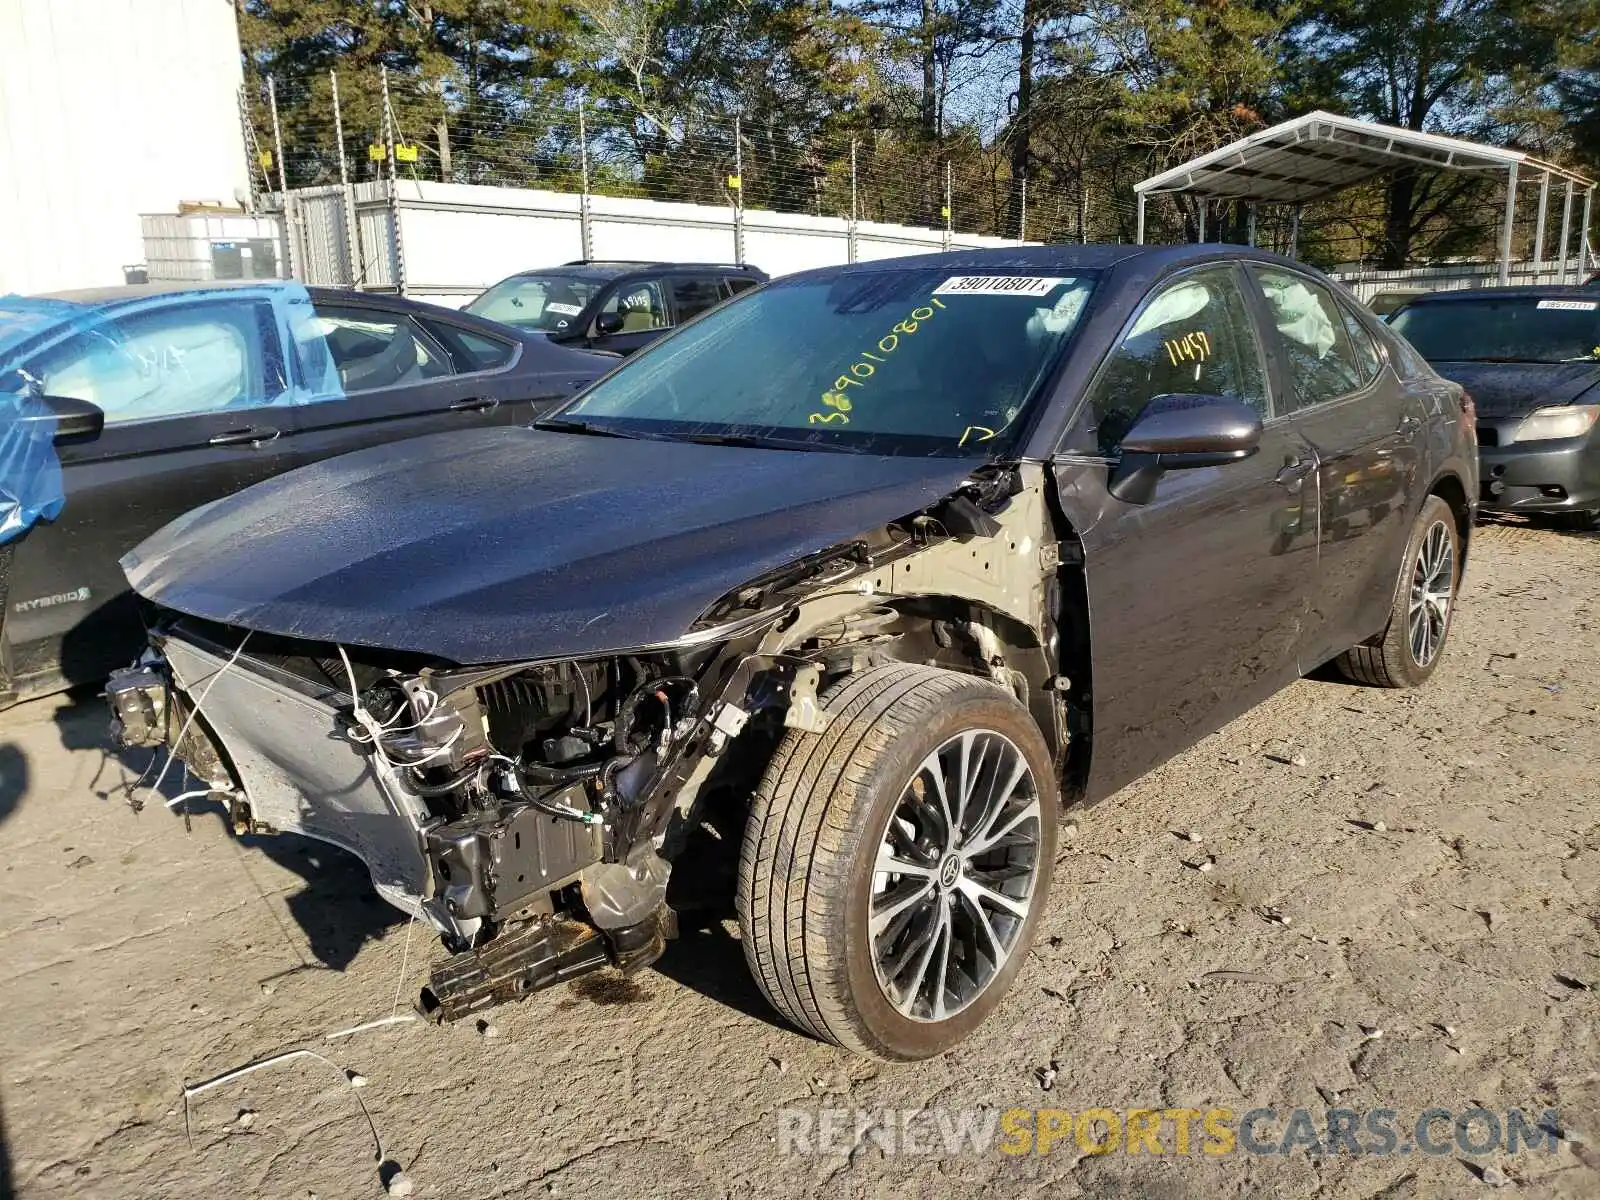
(1558,421)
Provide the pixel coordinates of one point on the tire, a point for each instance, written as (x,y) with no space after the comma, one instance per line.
(820,820)
(1392,659)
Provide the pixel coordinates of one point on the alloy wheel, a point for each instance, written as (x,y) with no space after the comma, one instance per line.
(1433,582)
(956,871)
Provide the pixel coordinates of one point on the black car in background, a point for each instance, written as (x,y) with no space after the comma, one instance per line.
(1530,357)
(616,306)
(174,395)
(870,571)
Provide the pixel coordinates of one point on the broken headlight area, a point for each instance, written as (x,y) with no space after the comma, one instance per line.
(521,810)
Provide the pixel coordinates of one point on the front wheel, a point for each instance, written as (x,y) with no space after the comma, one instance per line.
(894,867)
(1409,648)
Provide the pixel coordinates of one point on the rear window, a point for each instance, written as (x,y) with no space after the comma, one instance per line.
(1509,329)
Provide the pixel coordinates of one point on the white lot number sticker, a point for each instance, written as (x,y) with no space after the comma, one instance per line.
(997,285)
(566,310)
(1571,305)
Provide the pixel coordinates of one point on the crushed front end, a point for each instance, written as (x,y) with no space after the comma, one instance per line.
(522,810)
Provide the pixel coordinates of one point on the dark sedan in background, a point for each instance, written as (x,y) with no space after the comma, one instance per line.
(620,307)
(1530,357)
(173,396)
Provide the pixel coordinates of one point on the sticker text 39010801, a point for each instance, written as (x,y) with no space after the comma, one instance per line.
(836,403)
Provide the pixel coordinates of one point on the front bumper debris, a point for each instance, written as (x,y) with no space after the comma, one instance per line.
(542,953)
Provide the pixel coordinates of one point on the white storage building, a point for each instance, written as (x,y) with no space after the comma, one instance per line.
(110,109)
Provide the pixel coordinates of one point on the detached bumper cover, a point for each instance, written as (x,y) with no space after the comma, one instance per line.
(285,748)
(1554,476)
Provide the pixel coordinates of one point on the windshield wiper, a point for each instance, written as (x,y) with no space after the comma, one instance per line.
(567,425)
(753,441)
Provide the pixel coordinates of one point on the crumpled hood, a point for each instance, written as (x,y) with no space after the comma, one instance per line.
(1506,390)
(501,544)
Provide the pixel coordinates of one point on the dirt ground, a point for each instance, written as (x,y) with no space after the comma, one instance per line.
(1422,864)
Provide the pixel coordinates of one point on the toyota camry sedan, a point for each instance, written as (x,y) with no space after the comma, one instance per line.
(893,561)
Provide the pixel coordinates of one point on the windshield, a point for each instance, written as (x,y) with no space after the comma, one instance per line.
(883,362)
(548,302)
(1513,329)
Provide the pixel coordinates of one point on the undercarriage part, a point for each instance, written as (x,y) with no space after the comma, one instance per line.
(512,966)
(544,952)
(619,895)
(490,864)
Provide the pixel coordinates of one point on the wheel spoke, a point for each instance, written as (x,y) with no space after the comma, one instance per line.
(883,915)
(888,864)
(919,973)
(980,921)
(991,837)
(977,893)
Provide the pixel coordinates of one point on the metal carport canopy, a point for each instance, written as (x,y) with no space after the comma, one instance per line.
(1320,153)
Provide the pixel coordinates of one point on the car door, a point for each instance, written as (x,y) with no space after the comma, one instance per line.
(1198,597)
(375,374)
(641,305)
(1365,427)
(188,390)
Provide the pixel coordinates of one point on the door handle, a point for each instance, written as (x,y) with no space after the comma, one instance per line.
(475,404)
(1294,473)
(1409,424)
(254,435)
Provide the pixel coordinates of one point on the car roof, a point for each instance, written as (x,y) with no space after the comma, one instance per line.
(607,269)
(1524,292)
(1061,257)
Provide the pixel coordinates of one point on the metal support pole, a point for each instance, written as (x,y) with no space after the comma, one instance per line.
(1506,227)
(252,153)
(1583,233)
(1250,225)
(738,192)
(949,225)
(585,227)
(1022,214)
(283,181)
(1201,201)
(1138,225)
(1566,230)
(1538,229)
(352,229)
(850,237)
(397,260)
(1294,231)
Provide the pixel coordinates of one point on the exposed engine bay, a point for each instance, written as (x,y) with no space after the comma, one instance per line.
(531,812)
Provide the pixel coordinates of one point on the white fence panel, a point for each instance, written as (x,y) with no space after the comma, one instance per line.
(457,239)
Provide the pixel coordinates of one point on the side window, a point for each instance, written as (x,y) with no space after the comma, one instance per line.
(167,363)
(372,349)
(472,351)
(1323,363)
(1361,343)
(739,283)
(1194,335)
(641,305)
(694,294)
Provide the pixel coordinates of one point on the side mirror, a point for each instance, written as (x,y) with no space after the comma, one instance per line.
(1178,432)
(74,419)
(608,322)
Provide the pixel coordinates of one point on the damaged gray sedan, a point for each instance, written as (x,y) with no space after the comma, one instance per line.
(894,560)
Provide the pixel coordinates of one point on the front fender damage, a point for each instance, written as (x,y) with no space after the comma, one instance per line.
(531,812)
